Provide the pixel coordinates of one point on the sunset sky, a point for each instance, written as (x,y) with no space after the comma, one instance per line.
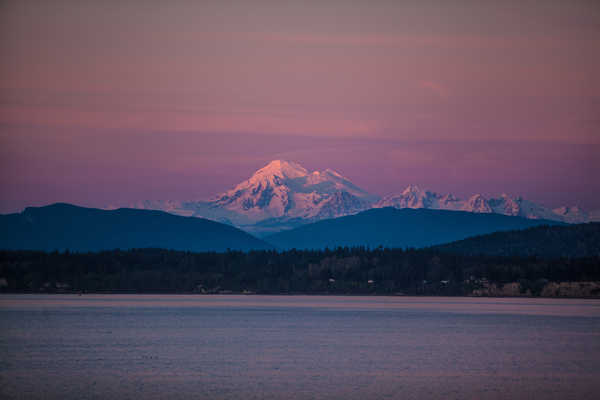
(105,102)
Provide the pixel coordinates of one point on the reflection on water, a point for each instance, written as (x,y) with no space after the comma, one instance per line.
(298,347)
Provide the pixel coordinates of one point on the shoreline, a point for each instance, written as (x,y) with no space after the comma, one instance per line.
(134,293)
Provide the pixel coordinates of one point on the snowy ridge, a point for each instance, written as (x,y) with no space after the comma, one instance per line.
(284,194)
(576,215)
(415,197)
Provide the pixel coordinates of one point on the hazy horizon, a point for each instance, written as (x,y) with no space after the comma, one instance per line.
(104,103)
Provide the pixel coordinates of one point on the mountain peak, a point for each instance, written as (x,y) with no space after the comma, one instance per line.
(477,196)
(412,189)
(283,169)
(477,203)
(285,189)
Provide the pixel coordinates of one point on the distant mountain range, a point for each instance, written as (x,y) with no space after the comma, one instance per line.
(390,227)
(290,207)
(415,197)
(64,226)
(284,195)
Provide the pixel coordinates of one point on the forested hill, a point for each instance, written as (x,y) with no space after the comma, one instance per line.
(65,226)
(581,240)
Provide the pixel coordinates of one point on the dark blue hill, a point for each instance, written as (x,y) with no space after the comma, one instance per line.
(65,226)
(390,227)
(580,240)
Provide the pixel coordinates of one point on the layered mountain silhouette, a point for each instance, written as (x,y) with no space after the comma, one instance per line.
(284,195)
(390,227)
(64,226)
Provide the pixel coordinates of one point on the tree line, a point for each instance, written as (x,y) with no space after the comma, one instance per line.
(356,270)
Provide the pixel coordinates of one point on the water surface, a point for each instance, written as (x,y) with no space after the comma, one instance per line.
(297,347)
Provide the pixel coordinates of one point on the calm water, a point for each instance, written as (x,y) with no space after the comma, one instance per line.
(297,347)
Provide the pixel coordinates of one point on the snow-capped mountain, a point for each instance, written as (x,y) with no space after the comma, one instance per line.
(415,197)
(283,194)
(284,189)
(576,215)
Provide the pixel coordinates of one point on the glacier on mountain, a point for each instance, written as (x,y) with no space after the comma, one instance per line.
(284,189)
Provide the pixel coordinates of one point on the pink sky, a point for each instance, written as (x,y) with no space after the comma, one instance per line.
(104,102)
